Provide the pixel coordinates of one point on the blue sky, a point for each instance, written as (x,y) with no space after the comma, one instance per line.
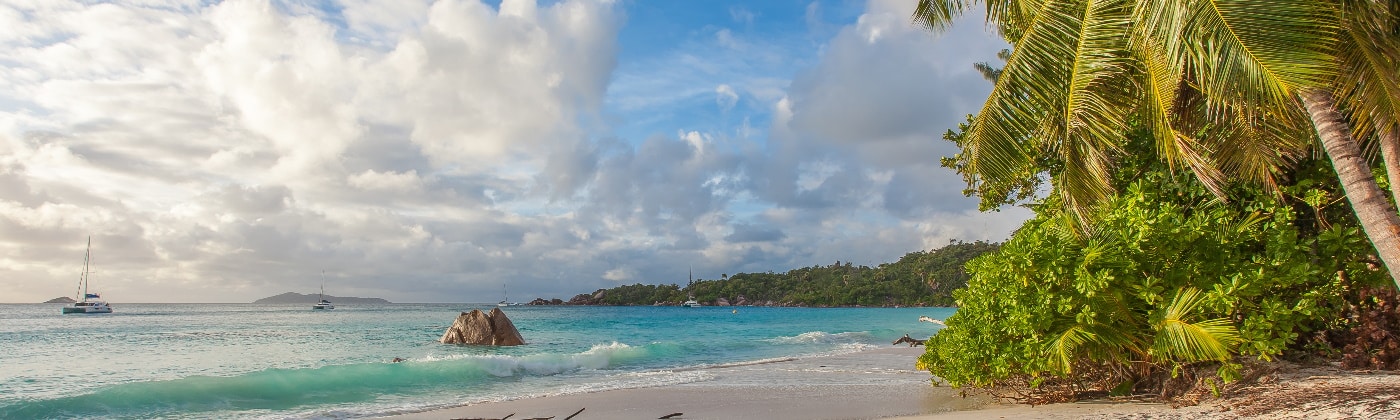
(431,151)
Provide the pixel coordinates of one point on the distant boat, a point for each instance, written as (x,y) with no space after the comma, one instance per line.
(90,303)
(505,295)
(323,304)
(691,303)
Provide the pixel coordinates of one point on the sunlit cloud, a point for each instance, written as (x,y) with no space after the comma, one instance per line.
(434,150)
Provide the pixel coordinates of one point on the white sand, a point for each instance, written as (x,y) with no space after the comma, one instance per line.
(872,384)
(883,384)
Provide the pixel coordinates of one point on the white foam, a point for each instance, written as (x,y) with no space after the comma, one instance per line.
(600,356)
(822,337)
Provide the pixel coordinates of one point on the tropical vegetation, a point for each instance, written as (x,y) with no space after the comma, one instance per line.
(921,278)
(1231,90)
(1191,220)
(1162,277)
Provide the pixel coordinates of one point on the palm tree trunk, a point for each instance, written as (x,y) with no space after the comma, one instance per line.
(1382,225)
(1390,152)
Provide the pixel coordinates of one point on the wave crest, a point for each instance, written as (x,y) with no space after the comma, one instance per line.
(822,337)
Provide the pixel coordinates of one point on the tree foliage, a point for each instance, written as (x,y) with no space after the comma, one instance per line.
(1232,90)
(1162,277)
(921,278)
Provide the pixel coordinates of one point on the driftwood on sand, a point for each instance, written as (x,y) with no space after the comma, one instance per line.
(905,339)
(476,327)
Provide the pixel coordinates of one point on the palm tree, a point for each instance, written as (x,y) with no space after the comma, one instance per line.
(1232,90)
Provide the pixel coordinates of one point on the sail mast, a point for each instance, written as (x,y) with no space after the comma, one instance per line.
(83,279)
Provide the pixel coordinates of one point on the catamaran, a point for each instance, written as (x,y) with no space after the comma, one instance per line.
(691,303)
(323,304)
(90,303)
(505,294)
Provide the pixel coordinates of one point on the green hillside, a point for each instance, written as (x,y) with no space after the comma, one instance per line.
(922,278)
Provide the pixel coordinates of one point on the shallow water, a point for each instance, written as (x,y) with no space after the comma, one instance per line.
(287,361)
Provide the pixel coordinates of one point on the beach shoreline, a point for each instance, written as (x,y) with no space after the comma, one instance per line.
(876,383)
(882,384)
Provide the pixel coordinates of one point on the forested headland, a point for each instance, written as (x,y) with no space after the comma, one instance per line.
(920,278)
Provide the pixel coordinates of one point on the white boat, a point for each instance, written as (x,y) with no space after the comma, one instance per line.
(691,303)
(505,294)
(90,303)
(323,304)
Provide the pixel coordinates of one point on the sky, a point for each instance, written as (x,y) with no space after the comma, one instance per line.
(449,150)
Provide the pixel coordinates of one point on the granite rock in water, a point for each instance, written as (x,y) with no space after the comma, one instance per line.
(480,328)
(503,331)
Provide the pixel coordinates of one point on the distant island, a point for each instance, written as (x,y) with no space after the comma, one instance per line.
(293,297)
(921,278)
(61,299)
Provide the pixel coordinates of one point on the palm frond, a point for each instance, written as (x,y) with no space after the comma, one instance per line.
(1256,52)
(1013,17)
(1240,145)
(1066,347)
(1062,92)
(1094,341)
(1369,82)
(1165,90)
(1179,340)
(939,14)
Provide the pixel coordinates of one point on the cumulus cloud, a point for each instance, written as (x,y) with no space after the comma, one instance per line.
(725,97)
(431,150)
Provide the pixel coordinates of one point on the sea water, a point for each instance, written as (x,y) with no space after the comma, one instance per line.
(288,361)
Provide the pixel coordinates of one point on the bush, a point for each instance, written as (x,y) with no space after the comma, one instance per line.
(1164,279)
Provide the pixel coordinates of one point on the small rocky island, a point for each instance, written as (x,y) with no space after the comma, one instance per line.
(61,299)
(293,297)
(480,328)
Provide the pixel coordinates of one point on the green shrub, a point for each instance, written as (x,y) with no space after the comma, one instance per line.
(1164,278)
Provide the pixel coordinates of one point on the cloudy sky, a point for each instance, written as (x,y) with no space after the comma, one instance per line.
(434,151)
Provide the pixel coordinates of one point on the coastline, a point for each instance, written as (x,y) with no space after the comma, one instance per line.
(881,383)
(876,383)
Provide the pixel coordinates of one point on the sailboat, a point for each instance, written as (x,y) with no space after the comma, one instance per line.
(90,303)
(691,303)
(323,304)
(505,295)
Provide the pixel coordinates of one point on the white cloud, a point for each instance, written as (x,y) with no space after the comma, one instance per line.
(725,97)
(427,150)
(372,180)
(620,275)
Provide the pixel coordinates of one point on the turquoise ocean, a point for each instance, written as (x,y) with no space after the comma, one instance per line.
(287,361)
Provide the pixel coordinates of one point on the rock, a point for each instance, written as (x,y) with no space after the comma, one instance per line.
(588,299)
(469,328)
(503,332)
(479,328)
(61,299)
(722,302)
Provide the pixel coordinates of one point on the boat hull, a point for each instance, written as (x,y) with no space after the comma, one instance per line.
(87,310)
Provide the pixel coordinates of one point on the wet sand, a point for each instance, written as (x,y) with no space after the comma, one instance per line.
(878,383)
(882,383)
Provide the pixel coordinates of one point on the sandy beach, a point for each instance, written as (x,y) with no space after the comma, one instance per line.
(883,384)
(870,384)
